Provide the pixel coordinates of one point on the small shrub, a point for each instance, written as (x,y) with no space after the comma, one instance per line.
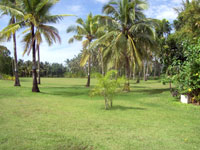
(7,77)
(107,87)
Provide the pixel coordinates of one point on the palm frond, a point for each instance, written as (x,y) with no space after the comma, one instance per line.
(84,58)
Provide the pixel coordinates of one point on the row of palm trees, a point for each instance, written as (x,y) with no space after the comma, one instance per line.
(33,16)
(122,37)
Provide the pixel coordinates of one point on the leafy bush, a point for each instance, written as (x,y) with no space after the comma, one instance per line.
(107,87)
(7,77)
(187,79)
(166,79)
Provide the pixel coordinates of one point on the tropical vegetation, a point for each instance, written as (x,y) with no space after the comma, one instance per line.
(125,54)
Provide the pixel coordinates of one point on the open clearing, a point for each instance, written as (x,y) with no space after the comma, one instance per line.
(63,116)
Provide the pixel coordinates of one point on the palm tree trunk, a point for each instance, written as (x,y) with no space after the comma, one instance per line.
(38,49)
(34,73)
(144,71)
(138,79)
(155,69)
(89,69)
(147,72)
(106,103)
(127,84)
(17,82)
(102,64)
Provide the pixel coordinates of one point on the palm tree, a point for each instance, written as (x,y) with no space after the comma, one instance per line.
(50,34)
(87,29)
(129,26)
(163,28)
(14,4)
(32,12)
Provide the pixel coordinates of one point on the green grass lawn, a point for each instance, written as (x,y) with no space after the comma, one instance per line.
(64,117)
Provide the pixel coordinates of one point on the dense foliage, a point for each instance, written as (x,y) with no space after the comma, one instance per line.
(6,62)
(46,69)
(187,78)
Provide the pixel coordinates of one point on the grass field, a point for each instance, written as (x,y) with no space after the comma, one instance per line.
(64,117)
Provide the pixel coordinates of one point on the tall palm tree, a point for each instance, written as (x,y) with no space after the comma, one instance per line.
(14,4)
(32,12)
(87,29)
(51,36)
(129,26)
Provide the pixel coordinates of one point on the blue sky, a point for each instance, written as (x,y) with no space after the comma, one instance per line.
(60,52)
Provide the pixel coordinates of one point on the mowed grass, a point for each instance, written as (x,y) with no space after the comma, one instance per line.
(64,117)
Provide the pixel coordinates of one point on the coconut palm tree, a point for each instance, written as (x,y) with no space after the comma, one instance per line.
(33,11)
(129,25)
(87,29)
(51,36)
(163,28)
(15,5)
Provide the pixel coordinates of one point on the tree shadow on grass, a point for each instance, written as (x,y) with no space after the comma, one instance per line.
(118,107)
(138,87)
(66,91)
(151,91)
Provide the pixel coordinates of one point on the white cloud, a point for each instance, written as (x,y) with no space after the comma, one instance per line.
(59,53)
(162,11)
(102,1)
(74,8)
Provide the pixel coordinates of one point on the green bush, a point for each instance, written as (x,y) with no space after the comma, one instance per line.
(107,86)
(7,77)
(187,79)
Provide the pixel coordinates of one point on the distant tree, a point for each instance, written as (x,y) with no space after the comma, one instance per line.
(5,61)
(87,29)
(73,68)
(163,31)
(187,25)
(47,69)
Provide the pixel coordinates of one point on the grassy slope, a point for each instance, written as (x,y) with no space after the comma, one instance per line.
(63,116)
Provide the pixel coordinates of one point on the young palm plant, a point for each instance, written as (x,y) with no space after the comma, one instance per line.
(87,29)
(107,87)
(129,25)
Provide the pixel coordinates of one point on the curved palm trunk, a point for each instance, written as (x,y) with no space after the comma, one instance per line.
(38,49)
(17,82)
(89,69)
(34,73)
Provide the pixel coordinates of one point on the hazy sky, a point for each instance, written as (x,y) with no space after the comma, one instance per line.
(60,52)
